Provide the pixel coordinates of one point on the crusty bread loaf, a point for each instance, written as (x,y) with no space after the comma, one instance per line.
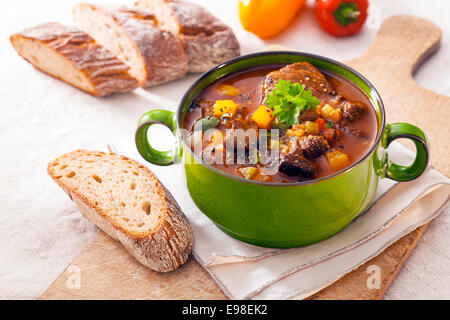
(127,201)
(207,40)
(72,56)
(153,55)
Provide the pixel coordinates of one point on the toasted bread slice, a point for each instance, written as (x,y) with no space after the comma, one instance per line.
(127,201)
(72,56)
(154,56)
(207,40)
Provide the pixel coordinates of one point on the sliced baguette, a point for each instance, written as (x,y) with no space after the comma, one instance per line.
(154,56)
(126,201)
(207,40)
(72,56)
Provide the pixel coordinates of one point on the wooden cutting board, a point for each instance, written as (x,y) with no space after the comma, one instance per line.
(108,272)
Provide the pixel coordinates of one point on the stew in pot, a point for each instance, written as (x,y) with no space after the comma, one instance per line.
(281,123)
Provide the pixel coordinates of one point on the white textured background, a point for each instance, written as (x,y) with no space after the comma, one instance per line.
(41,230)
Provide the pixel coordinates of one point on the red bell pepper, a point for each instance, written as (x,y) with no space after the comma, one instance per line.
(341,17)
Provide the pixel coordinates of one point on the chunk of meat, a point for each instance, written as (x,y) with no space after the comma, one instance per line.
(244,134)
(304,73)
(295,161)
(308,146)
(294,164)
(349,130)
(238,121)
(312,146)
(207,107)
(314,81)
(308,115)
(352,111)
(331,134)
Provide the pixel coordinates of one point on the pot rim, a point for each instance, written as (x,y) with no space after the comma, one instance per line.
(295,53)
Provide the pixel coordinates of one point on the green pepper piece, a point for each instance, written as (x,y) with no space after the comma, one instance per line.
(205,124)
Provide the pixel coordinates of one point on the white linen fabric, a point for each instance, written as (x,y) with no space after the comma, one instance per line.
(243,270)
(41,118)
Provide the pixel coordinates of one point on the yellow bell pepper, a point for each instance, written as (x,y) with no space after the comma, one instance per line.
(263,117)
(222,107)
(331,113)
(267,18)
(337,159)
(228,90)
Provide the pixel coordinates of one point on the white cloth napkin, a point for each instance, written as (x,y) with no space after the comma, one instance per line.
(246,271)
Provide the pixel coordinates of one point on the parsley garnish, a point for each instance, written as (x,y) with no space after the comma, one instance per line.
(329,125)
(289,99)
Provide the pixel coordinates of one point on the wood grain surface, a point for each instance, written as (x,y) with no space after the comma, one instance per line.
(108,271)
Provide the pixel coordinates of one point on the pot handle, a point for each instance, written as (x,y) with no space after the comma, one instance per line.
(161,158)
(405,130)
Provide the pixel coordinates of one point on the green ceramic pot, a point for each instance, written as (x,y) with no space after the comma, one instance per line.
(290,214)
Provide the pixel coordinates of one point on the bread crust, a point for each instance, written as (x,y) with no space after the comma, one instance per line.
(163,249)
(102,69)
(161,52)
(207,40)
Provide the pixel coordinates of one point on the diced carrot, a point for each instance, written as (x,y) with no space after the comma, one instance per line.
(321,123)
